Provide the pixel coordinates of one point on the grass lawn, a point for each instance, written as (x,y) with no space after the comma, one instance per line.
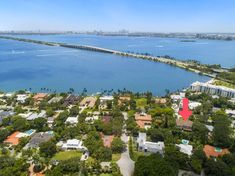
(105,174)
(223,83)
(141,102)
(67,155)
(116,157)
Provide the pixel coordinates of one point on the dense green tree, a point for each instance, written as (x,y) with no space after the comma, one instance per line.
(216,168)
(49,111)
(66,167)
(20,124)
(39,123)
(177,159)
(3,134)
(47,149)
(156,135)
(117,145)
(200,132)
(10,166)
(153,165)
(74,111)
(221,132)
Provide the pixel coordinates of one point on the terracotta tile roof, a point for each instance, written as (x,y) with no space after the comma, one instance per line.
(143,117)
(107,140)
(141,124)
(211,151)
(12,139)
(39,96)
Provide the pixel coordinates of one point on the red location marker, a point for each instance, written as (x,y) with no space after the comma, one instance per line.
(185,112)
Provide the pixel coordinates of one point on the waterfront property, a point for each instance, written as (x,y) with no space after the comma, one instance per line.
(213,89)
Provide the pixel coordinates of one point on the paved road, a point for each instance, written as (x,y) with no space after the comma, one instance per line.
(125,163)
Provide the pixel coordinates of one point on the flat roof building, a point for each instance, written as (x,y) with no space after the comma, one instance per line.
(213,89)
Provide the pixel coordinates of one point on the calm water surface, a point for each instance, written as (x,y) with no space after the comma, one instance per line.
(26,65)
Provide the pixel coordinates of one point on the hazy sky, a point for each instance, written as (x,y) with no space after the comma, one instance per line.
(114,15)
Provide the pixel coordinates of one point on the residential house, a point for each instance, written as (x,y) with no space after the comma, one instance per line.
(107,140)
(13,139)
(146,146)
(184,124)
(123,99)
(72,120)
(21,98)
(33,116)
(215,152)
(193,104)
(104,100)
(50,121)
(39,138)
(39,97)
(184,147)
(71,100)
(55,99)
(160,100)
(73,144)
(91,119)
(4,114)
(88,102)
(230,112)
(143,120)
(176,97)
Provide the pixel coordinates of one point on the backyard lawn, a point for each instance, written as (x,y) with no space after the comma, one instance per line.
(67,155)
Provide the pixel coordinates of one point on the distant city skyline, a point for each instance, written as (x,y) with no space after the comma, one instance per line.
(194,16)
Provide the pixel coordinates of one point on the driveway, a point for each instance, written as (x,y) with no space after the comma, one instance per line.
(125,163)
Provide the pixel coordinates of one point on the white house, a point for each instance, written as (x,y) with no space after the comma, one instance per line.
(106,98)
(230,112)
(72,120)
(185,148)
(37,115)
(146,146)
(50,121)
(21,98)
(176,97)
(91,119)
(193,104)
(73,144)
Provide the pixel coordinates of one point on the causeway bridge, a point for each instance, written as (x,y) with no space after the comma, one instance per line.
(176,63)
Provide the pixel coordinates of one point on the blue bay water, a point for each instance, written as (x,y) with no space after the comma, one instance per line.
(206,51)
(26,65)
